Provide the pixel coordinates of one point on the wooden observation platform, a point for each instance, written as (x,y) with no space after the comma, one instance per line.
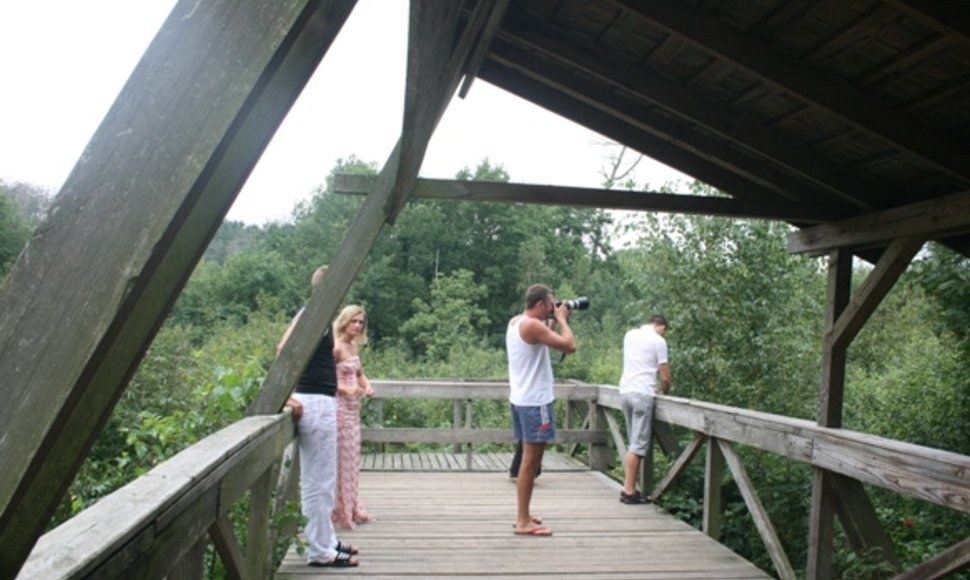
(848,120)
(457,525)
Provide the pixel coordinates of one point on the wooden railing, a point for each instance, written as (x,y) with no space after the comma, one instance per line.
(159,524)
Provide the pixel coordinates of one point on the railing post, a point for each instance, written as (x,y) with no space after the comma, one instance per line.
(190,567)
(379,412)
(646,469)
(713,475)
(457,422)
(469,426)
(258,549)
(599,453)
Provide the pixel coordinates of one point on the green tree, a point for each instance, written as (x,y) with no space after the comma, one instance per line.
(452,319)
(14,233)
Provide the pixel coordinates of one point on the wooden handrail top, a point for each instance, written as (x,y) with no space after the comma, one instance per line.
(913,470)
(474,390)
(188,491)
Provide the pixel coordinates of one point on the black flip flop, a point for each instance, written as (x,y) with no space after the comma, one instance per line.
(341,560)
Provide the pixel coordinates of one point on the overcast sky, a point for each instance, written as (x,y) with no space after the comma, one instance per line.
(63,62)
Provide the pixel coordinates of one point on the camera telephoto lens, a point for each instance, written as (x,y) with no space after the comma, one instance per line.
(581,303)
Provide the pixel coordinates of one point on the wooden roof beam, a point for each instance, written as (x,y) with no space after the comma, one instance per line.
(876,286)
(950,18)
(663,151)
(932,219)
(685,103)
(646,118)
(84,301)
(492,11)
(792,75)
(594,198)
(434,69)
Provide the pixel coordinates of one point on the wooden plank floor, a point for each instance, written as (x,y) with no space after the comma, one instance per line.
(459,462)
(452,524)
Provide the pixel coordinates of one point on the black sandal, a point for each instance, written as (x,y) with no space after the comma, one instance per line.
(341,560)
(634,498)
(347,549)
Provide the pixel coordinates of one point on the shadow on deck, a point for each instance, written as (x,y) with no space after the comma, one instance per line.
(446,523)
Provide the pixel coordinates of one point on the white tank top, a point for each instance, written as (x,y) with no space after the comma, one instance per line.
(530,369)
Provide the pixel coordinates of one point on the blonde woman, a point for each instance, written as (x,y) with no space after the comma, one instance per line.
(350,331)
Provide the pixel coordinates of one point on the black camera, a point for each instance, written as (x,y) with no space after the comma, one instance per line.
(581,303)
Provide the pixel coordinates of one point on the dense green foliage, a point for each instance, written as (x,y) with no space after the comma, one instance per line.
(439,286)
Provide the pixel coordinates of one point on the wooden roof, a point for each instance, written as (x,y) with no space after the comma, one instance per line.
(832,109)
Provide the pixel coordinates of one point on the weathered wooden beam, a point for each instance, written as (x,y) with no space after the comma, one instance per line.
(644,116)
(517,82)
(713,475)
(935,218)
(859,520)
(665,437)
(227,546)
(492,11)
(949,18)
(142,529)
(831,389)
(870,294)
(854,106)
(929,474)
(599,455)
(761,520)
(948,562)
(618,440)
(597,198)
(85,300)
(433,73)
(821,519)
(259,550)
(685,103)
(679,466)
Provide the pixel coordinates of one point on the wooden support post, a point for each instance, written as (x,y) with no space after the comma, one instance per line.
(162,169)
(761,520)
(469,425)
(646,470)
(598,452)
(948,562)
(713,474)
(287,488)
(666,438)
(456,422)
(259,550)
(844,318)
(379,411)
(821,525)
(191,567)
(227,546)
(680,465)
(859,520)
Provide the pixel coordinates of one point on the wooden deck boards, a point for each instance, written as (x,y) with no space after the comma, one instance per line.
(458,524)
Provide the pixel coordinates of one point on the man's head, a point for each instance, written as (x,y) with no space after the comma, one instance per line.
(659,323)
(317,278)
(537,294)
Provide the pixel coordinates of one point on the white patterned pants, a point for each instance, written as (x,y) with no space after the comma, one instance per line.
(317,432)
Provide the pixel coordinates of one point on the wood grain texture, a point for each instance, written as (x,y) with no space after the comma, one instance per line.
(460,525)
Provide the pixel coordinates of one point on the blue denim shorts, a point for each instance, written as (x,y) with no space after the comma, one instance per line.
(533,424)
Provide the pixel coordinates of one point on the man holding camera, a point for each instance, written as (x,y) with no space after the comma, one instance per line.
(528,339)
(644,357)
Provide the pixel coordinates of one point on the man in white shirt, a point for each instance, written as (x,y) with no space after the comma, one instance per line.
(527,340)
(644,357)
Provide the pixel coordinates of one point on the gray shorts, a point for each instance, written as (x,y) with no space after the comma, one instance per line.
(533,424)
(638,412)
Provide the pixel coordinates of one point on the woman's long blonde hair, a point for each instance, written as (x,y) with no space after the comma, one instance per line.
(343,319)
